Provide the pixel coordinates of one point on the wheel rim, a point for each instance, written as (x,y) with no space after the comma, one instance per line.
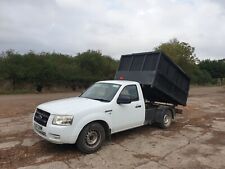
(92,138)
(167,120)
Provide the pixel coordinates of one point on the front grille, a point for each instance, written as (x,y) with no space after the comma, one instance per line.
(41,132)
(41,117)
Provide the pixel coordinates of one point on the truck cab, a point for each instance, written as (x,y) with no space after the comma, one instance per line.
(118,105)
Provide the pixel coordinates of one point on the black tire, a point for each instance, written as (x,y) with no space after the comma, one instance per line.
(91,138)
(166,119)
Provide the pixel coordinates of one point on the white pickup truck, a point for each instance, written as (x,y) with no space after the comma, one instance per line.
(105,108)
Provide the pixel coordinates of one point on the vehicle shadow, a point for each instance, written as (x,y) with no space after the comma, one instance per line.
(67,151)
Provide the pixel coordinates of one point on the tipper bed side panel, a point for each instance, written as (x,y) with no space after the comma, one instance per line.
(172,81)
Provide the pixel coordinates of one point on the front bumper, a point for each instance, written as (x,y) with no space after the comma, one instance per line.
(54,133)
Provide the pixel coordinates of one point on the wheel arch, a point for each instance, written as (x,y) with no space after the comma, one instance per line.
(173,112)
(161,110)
(105,126)
(103,123)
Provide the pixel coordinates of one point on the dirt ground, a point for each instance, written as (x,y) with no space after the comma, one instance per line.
(196,140)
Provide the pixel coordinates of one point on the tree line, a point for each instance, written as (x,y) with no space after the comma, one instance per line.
(39,71)
(46,70)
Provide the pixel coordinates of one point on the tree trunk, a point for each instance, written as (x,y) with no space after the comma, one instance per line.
(13,84)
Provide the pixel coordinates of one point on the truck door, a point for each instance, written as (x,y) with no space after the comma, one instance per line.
(130,115)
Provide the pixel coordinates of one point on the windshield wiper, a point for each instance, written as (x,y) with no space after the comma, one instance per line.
(102,100)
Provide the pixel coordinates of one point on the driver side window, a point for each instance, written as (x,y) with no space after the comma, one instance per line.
(131,91)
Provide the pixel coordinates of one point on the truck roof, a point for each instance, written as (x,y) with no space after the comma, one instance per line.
(120,82)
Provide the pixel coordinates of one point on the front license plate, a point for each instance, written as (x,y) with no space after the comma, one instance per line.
(37,127)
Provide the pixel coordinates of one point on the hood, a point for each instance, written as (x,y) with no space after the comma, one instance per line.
(70,106)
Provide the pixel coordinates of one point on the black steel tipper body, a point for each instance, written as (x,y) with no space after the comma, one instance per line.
(160,78)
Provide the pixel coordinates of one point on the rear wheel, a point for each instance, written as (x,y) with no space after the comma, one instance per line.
(166,119)
(91,138)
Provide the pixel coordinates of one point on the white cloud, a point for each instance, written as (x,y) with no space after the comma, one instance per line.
(114,27)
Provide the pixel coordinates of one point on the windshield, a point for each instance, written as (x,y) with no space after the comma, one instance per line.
(101,91)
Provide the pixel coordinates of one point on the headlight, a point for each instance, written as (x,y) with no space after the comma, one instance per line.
(62,120)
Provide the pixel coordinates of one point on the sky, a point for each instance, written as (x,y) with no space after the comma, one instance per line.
(114,27)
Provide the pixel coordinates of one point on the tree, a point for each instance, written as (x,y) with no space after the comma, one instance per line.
(96,66)
(216,68)
(12,67)
(39,71)
(181,53)
(1,69)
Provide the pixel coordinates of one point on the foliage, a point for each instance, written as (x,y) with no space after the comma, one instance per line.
(201,77)
(12,68)
(53,69)
(216,68)
(183,55)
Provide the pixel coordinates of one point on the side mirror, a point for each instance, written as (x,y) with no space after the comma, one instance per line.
(123,99)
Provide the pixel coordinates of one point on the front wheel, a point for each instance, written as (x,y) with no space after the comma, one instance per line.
(166,119)
(91,138)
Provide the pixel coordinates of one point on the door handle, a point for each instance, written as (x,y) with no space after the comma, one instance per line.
(138,106)
(108,111)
